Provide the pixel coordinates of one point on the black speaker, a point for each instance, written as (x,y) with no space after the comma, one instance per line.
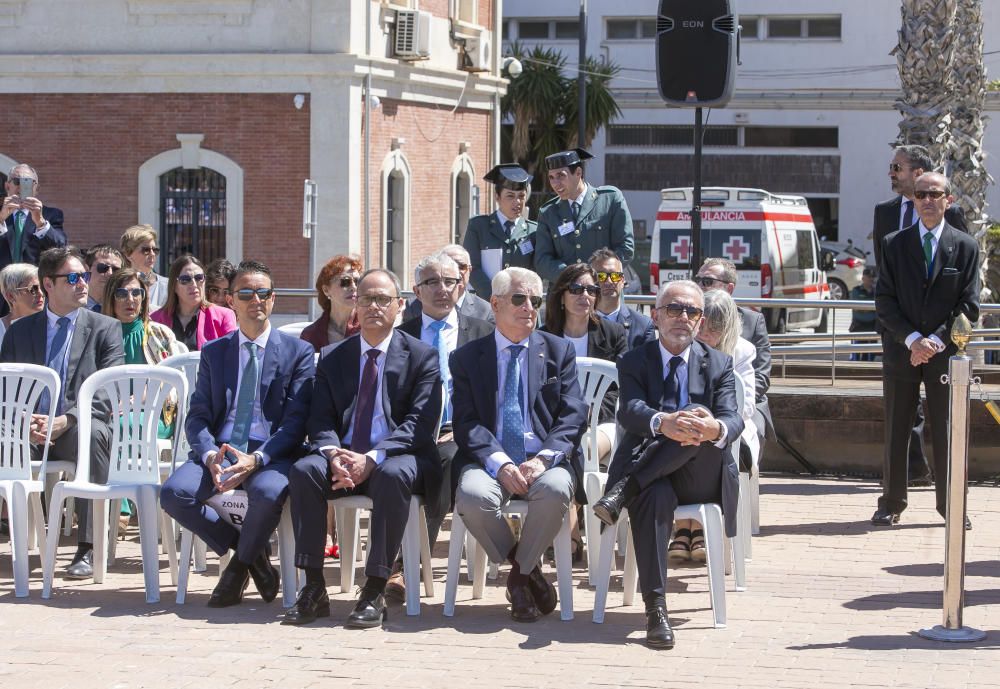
(696,52)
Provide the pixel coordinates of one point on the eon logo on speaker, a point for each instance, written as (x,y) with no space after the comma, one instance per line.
(692,24)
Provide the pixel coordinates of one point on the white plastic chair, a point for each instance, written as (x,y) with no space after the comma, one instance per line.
(596,376)
(294,329)
(21,385)
(460,536)
(136,395)
(749,481)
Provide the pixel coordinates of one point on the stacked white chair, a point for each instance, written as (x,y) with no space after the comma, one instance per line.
(294,329)
(749,518)
(21,385)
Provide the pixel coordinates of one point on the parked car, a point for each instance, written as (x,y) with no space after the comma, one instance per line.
(848,262)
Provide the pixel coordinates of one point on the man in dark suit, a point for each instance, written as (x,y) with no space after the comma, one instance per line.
(467,303)
(245,427)
(679,411)
(611,279)
(503,238)
(376,405)
(103,261)
(76,343)
(519,417)
(898,213)
(27,227)
(929,275)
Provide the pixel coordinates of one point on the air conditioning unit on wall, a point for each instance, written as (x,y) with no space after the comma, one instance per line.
(476,56)
(413,35)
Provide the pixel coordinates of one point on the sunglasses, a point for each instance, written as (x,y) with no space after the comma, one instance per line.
(434,283)
(147,250)
(520,299)
(706,281)
(347,281)
(933,193)
(896,167)
(188,279)
(103,268)
(217,291)
(380,300)
(576,289)
(675,311)
(614,277)
(123,293)
(246,294)
(73,278)
(34,290)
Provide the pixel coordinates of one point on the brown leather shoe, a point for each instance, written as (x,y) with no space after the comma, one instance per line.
(522,604)
(395,588)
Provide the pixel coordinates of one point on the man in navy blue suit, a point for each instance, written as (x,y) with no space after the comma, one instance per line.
(246,426)
(611,278)
(519,417)
(374,418)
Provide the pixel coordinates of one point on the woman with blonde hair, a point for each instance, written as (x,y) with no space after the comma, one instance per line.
(138,246)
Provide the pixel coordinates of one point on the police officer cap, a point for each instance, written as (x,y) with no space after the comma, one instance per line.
(567,158)
(509,176)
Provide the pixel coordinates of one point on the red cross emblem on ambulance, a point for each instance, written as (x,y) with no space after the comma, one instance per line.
(681,249)
(735,249)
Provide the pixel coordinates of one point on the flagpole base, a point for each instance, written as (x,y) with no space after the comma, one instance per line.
(960,635)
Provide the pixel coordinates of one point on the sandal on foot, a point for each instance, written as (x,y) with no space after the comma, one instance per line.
(680,546)
(698,552)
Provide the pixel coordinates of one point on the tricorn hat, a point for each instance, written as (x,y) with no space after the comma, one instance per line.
(508,176)
(567,158)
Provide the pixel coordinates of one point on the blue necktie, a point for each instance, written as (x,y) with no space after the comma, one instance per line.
(240,436)
(512,437)
(442,348)
(672,386)
(56,360)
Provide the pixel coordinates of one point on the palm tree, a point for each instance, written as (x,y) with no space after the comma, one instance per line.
(602,109)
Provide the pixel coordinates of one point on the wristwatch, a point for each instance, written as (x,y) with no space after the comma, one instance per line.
(258,460)
(719,436)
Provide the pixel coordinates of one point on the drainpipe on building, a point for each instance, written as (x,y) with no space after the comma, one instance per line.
(367,126)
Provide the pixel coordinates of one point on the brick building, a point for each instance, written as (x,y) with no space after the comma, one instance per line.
(204,119)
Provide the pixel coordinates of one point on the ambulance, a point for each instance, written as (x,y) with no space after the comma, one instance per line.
(770,237)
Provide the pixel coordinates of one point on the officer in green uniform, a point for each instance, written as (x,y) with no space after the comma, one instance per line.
(503,238)
(581,219)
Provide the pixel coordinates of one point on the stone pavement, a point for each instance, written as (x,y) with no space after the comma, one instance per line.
(830,602)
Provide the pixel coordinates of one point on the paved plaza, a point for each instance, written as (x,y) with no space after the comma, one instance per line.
(830,602)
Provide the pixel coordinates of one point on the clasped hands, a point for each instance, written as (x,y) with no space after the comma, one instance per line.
(38,426)
(12,204)
(690,426)
(348,469)
(229,477)
(922,351)
(517,479)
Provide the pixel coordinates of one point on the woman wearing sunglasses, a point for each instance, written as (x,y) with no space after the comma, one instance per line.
(337,292)
(22,291)
(187,313)
(141,251)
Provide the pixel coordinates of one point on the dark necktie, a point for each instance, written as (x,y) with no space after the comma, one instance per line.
(576,210)
(929,251)
(16,248)
(672,386)
(907,214)
(507,227)
(361,440)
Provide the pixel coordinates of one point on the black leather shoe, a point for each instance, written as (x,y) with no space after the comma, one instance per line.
(265,577)
(313,602)
(658,631)
(617,497)
(369,612)
(883,517)
(82,566)
(543,592)
(229,590)
(522,604)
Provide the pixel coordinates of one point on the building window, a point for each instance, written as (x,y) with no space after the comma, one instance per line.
(192,215)
(790,137)
(567,30)
(395,226)
(630,29)
(750,26)
(682,136)
(464,11)
(463,195)
(802,27)
(533,30)
(542,29)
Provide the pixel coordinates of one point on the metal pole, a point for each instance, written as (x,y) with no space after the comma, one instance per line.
(958,378)
(696,205)
(581,79)
(367,124)
(833,347)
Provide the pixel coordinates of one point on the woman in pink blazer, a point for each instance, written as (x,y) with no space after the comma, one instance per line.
(193,320)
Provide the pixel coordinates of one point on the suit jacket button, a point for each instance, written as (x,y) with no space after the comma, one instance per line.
(577,233)
(577,246)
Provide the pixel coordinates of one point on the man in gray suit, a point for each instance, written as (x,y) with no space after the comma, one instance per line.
(503,238)
(581,219)
(76,343)
(467,303)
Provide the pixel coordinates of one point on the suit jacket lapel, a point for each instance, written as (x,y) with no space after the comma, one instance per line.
(536,372)
(589,201)
(496,229)
(394,371)
(269,369)
(463,329)
(349,377)
(38,337)
(519,232)
(231,373)
(654,365)
(81,335)
(893,214)
(697,364)
(942,257)
(916,251)
(488,370)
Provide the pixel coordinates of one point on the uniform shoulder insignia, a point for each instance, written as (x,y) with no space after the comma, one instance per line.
(608,189)
(551,202)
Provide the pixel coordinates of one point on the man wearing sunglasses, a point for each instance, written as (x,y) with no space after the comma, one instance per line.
(611,280)
(678,409)
(75,342)
(376,405)
(581,219)
(103,261)
(27,226)
(245,425)
(467,303)
(519,417)
(929,275)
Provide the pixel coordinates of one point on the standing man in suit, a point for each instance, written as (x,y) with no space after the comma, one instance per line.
(611,279)
(376,405)
(27,226)
(720,273)
(445,328)
(519,417)
(503,238)
(929,275)
(898,213)
(76,343)
(467,303)
(245,427)
(103,261)
(581,219)
(679,411)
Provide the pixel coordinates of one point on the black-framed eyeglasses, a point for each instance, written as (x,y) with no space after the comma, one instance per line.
(33,290)
(614,276)
(675,310)
(103,268)
(75,277)
(348,281)
(126,293)
(933,193)
(380,300)
(188,279)
(576,289)
(147,250)
(896,167)
(434,283)
(246,294)
(519,299)
(706,281)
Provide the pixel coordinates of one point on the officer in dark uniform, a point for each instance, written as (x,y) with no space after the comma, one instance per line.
(503,238)
(581,220)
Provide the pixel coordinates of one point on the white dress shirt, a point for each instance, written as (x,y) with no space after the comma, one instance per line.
(259,429)
(935,240)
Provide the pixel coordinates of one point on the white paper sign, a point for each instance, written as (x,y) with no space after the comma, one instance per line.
(491,261)
(231,506)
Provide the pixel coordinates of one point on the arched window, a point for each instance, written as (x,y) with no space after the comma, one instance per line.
(462,190)
(396,215)
(192,215)
(6,163)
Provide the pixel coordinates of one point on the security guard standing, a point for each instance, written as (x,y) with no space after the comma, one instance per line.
(581,220)
(503,238)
